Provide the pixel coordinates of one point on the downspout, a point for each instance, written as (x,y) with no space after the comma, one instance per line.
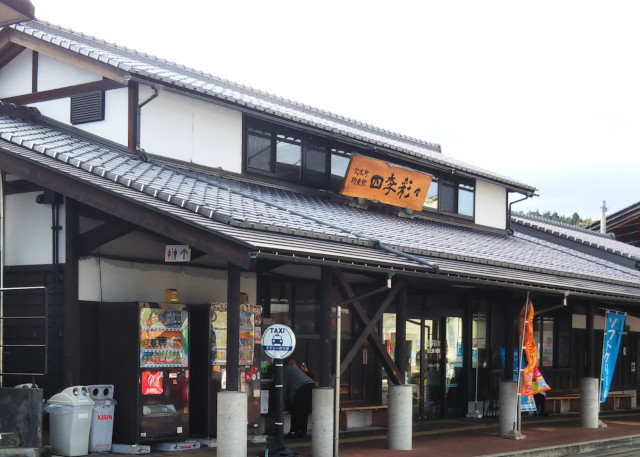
(52,198)
(509,212)
(55,216)
(145,157)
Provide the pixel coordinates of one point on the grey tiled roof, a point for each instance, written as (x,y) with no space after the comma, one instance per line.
(276,220)
(164,72)
(579,235)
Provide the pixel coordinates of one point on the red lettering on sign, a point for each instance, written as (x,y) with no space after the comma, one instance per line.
(104,417)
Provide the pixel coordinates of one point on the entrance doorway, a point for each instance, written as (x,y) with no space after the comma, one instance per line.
(435,363)
(436,370)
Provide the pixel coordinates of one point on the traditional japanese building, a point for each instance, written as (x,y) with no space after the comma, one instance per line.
(126,178)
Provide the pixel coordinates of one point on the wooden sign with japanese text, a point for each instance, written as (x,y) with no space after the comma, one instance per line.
(391,184)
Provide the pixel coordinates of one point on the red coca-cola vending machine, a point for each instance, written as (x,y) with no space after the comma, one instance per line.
(145,355)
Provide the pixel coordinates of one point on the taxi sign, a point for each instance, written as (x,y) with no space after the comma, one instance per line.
(278,341)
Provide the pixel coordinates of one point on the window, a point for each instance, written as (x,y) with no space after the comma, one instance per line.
(288,156)
(451,195)
(431,200)
(295,157)
(543,334)
(321,163)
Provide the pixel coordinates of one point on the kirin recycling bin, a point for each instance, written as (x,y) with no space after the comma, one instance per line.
(102,421)
(70,413)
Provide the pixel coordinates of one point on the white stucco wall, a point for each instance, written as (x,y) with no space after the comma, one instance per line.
(580,321)
(54,74)
(491,205)
(191,130)
(28,234)
(16,76)
(113,128)
(115,281)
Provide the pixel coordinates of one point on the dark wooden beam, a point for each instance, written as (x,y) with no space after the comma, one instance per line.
(34,71)
(132,115)
(8,52)
(367,333)
(233,328)
(63,92)
(73,58)
(70,312)
(135,212)
(326,292)
(101,235)
(20,186)
(590,366)
(401,354)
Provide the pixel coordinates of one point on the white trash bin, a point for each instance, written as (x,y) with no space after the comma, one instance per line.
(102,421)
(70,413)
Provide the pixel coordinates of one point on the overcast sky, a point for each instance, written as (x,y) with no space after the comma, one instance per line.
(546,92)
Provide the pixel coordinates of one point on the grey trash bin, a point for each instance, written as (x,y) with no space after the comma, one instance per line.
(102,421)
(70,414)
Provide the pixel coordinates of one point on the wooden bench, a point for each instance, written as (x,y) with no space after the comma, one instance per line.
(619,400)
(571,403)
(562,404)
(363,416)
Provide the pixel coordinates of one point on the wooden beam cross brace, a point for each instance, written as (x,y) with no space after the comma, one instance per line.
(369,325)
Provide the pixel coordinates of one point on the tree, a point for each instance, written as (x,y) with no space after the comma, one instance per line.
(571,220)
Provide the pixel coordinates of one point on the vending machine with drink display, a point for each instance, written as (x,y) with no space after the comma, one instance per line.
(209,363)
(145,355)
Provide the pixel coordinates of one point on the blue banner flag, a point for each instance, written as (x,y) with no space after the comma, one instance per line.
(610,348)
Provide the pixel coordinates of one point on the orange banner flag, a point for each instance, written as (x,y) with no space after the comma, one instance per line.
(532,381)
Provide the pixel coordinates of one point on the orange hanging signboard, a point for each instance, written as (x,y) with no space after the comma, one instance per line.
(391,184)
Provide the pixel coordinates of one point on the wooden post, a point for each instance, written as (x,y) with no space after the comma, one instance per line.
(326,286)
(401,335)
(233,327)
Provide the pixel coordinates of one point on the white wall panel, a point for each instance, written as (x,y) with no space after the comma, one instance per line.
(15,77)
(113,128)
(59,110)
(192,130)
(28,234)
(54,74)
(491,205)
(114,281)
(115,125)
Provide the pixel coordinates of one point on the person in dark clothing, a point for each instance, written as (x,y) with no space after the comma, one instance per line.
(540,399)
(298,387)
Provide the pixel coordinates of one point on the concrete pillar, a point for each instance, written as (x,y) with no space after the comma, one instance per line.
(507,408)
(589,407)
(232,424)
(322,416)
(400,429)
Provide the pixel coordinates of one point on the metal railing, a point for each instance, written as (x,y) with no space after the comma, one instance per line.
(44,346)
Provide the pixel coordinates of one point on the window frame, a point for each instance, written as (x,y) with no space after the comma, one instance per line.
(456,185)
(326,180)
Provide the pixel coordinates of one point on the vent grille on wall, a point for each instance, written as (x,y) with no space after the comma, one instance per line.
(87,107)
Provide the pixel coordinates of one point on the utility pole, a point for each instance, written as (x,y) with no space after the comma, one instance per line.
(603,218)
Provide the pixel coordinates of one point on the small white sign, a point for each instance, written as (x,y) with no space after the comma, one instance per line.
(177,253)
(278,341)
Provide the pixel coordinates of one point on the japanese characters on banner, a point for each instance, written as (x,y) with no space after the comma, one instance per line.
(610,347)
(532,381)
(394,185)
